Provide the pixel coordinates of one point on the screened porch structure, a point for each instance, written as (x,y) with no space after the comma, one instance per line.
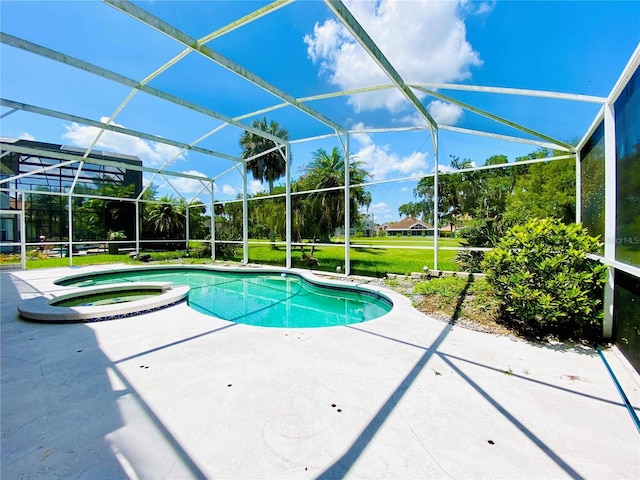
(197,162)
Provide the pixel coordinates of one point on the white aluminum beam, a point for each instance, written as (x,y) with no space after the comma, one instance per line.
(507,138)
(114,128)
(627,73)
(6,114)
(180,56)
(288,211)
(513,91)
(592,128)
(363,38)
(436,226)
(261,12)
(347,207)
(610,200)
(245,217)
(13,148)
(495,118)
(51,54)
(169,30)
(70,159)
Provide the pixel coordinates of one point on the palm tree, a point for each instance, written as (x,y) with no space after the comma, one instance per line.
(326,208)
(165,219)
(270,166)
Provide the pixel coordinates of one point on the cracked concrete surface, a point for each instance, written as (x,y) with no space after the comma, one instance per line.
(177,394)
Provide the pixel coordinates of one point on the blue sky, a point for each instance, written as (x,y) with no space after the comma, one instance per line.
(573,47)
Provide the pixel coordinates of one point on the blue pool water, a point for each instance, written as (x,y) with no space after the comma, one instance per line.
(261,299)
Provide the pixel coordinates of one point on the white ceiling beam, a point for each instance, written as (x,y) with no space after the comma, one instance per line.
(51,54)
(163,27)
(363,38)
(507,138)
(114,128)
(513,91)
(495,118)
(70,158)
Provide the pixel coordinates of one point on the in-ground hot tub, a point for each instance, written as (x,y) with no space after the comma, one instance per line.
(103,302)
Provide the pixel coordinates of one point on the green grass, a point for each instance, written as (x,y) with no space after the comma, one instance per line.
(79,260)
(458,298)
(374,262)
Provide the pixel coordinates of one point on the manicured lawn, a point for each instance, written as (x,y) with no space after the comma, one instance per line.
(78,260)
(368,261)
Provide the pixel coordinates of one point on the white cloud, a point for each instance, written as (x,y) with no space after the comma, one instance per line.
(444,168)
(379,208)
(425,41)
(26,136)
(480,8)
(229,190)
(151,153)
(445,113)
(188,186)
(363,139)
(448,168)
(380,161)
(254,186)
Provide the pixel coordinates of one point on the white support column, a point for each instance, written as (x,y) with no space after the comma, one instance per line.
(347,207)
(137,226)
(434,136)
(186,224)
(70,230)
(23,234)
(213,223)
(245,217)
(609,213)
(578,188)
(288,213)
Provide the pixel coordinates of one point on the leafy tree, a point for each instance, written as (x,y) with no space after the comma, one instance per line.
(268,215)
(492,189)
(95,217)
(198,221)
(411,209)
(228,218)
(453,193)
(45,214)
(545,190)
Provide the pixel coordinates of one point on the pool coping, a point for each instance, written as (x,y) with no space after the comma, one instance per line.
(385,295)
(41,309)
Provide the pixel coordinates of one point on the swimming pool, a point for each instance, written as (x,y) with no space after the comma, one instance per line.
(256,297)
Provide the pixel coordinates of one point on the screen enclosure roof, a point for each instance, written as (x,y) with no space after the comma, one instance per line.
(177,83)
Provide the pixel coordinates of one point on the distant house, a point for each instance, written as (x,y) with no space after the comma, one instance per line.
(408,227)
(366,227)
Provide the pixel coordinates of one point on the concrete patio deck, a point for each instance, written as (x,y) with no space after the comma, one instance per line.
(177,394)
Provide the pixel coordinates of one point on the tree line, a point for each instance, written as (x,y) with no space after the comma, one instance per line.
(485,200)
(512,194)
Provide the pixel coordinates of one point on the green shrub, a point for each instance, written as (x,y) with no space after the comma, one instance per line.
(478,233)
(545,281)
